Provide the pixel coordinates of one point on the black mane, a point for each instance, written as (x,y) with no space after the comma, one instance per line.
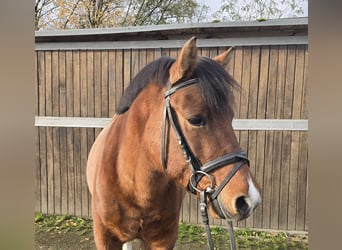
(215,83)
(156,71)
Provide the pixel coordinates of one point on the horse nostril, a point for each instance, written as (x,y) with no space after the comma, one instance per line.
(242,206)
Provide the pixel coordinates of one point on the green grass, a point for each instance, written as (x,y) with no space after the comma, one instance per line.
(63,223)
(245,238)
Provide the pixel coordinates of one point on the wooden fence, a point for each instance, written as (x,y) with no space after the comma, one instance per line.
(81,75)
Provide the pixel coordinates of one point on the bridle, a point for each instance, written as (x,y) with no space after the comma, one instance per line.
(198,169)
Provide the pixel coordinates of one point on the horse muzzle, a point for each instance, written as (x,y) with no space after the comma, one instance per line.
(241,206)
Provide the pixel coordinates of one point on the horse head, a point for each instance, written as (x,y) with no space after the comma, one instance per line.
(199,147)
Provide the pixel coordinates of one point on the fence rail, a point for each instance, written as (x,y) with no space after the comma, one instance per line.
(79,84)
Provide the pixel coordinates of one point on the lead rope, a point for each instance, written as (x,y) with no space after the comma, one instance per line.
(205,219)
(231,235)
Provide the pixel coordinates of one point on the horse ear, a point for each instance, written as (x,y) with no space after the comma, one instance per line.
(223,58)
(186,61)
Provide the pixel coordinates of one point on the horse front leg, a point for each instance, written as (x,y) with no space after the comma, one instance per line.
(104,239)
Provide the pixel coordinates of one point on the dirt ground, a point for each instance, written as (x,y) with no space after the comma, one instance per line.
(63,240)
(72,239)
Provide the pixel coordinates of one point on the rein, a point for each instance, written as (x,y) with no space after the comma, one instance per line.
(198,169)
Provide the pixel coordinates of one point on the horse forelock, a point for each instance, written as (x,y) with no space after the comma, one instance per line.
(215,83)
(216,86)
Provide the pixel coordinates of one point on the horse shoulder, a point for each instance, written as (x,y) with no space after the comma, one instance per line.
(96,153)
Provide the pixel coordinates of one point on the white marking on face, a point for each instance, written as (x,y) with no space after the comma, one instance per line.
(253,193)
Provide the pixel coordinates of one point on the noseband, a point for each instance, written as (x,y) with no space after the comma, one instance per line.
(198,169)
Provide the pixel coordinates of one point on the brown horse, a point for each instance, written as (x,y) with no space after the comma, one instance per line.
(172,133)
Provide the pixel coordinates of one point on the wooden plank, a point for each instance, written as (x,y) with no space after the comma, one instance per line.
(70,102)
(39,80)
(157,53)
(104,84)
(185,210)
(77,169)
(111,82)
(55,83)
(142,59)
(37,185)
(237,73)
(165,52)
(194,210)
(272,82)
(69,83)
(258,175)
(97,87)
(305,115)
(83,132)
(90,133)
(40,83)
(62,133)
(278,167)
(55,133)
(243,112)
(149,55)
(304,106)
(295,181)
(119,84)
(252,141)
(254,83)
(127,64)
(50,172)
(89,109)
(302,198)
(289,84)
(271,175)
(302,191)
(252,112)
(76,197)
(285,222)
(57,171)
(298,83)
(64,172)
(49,207)
(263,82)
(43,170)
(81,173)
(77,83)
(48,83)
(62,83)
(173,53)
(97,83)
(213,51)
(261,135)
(245,82)
(70,171)
(83,159)
(83,85)
(135,62)
(204,52)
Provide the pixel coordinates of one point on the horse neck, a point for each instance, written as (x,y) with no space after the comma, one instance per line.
(140,134)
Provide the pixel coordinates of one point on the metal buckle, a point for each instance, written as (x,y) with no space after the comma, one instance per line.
(210,189)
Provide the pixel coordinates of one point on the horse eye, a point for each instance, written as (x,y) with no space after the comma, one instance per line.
(197,121)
